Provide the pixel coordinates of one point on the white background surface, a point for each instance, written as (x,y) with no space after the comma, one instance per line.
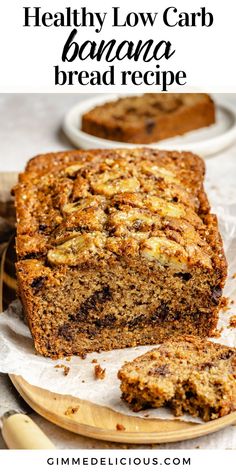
(28,54)
(30,124)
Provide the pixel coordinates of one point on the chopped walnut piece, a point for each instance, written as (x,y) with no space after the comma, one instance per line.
(99,372)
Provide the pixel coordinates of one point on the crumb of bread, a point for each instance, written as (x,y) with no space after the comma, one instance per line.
(83,355)
(71,410)
(234,276)
(68,359)
(120,427)
(94,361)
(66,369)
(217,332)
(225,302)
(99,372)
(232,322)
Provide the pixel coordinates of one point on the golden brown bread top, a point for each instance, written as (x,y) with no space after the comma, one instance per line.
(139,203)
(132,110)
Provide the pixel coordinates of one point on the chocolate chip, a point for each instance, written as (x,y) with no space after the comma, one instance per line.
(65,332)
(184,275)
(92,333)
(42,228)
(94,302)
(161,313)
(149,125)
(106,293)
(189,394)
(135,322)
(118,131)
(38,283)
(227,355)
(33,255)
(108,320)
(216,294)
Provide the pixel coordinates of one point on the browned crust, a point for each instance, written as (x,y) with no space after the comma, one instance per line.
(190,168)
(43,163)
(147,124)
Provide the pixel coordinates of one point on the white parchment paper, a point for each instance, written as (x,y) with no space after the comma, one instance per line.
(17,354)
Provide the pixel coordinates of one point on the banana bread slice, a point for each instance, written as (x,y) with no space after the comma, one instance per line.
(189,375)
(116,248)
(150,117)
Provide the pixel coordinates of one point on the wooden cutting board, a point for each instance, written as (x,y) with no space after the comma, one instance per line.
(100,422)
(88,419)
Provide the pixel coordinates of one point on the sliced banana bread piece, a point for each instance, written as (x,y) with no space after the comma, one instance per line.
(189,375)
(150,117)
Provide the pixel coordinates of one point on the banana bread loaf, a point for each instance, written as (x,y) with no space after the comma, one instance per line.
(150,117)
(116,248)
(189,375)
